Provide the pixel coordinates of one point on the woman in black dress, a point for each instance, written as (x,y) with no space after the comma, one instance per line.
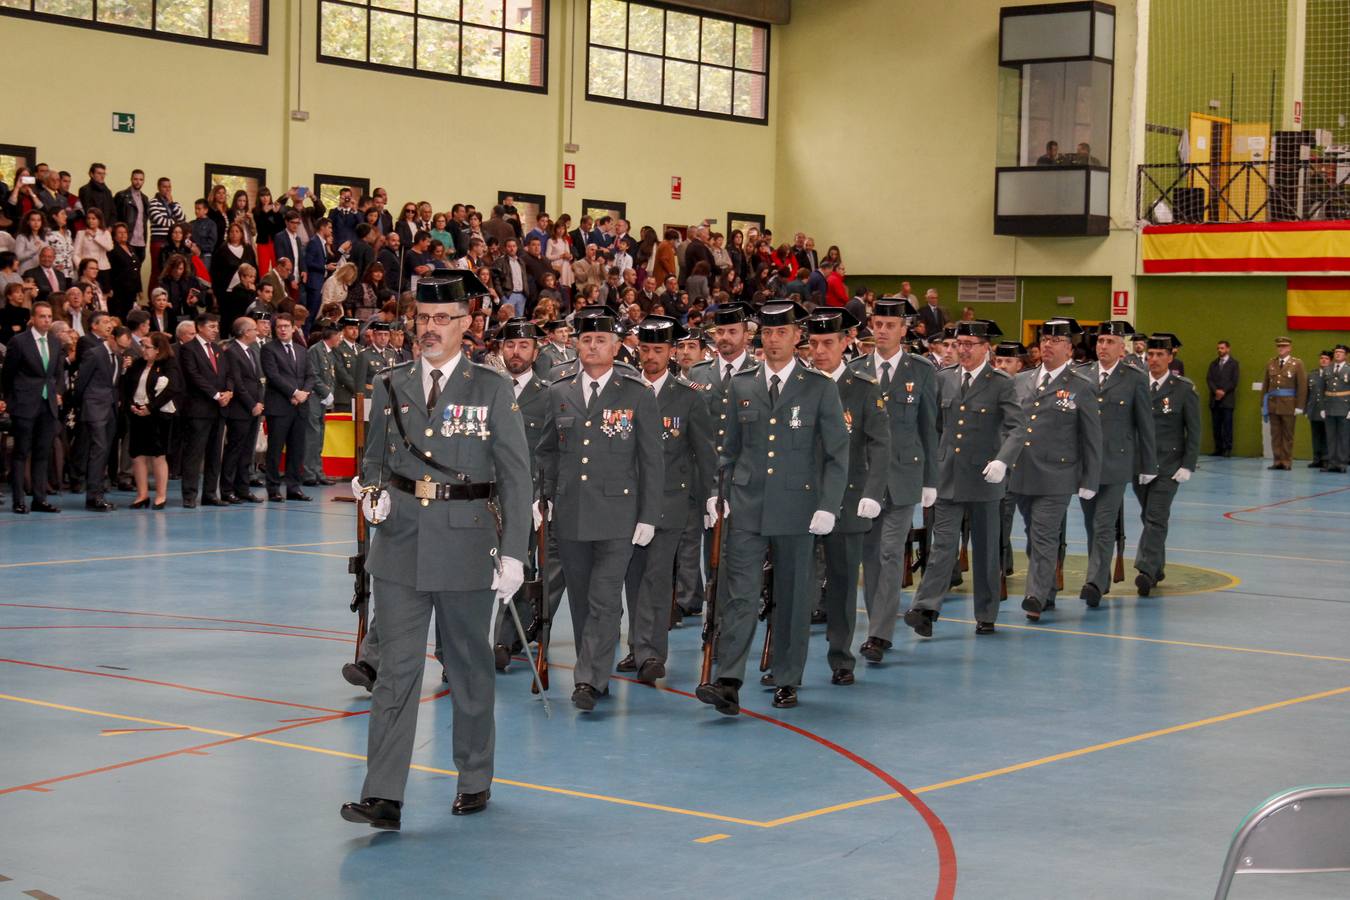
(232,252)
(177,242)
(149,388)
(125,275)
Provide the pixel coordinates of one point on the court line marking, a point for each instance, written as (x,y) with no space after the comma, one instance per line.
(712,838)
(1234,515)
(158,615)
(305,552)
(165,555)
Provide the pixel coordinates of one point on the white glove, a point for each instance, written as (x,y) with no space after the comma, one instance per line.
(929,496)
(643,534)
(356,487)
(536,512)
(868,509)
(1182,476)
(1298,412)
(1145,479)
(327,402)
(994,472)
(710,512)
(1324,413)
(1086,493)
(508,579)
(822,522)
(379,512)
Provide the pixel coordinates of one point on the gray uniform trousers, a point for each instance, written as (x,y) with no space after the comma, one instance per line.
(370,647)
(741,576)
(883,549)
(843,555)
(647,587)
(945,547)
(463,618)
(1044,518)
(1099,518)
(314,425)
(689,563)
(594,571)
(1338,441)
(1155,501)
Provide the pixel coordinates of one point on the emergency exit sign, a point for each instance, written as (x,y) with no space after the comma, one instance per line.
(124,123)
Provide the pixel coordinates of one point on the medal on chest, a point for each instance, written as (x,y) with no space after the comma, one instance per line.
(469,421)
(1064,400)
(670,426)
(617,423)
(848,420)
(1166,405)
(909,392)
(795,417)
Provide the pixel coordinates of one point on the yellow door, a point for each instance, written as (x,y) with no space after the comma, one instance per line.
(1251,172)
(1210,147)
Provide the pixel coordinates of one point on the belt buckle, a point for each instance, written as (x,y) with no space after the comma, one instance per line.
(425,490)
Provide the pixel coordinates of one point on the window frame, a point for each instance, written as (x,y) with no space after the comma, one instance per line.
(526,197)
(239,171)
(340,181)
(757,218)
(20,150)
(662,107)
(152,33)
(415,72)
(608,205)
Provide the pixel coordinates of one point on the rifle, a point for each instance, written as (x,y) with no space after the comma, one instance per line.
(544,615)
(710,591)
(766,614)
(356,565)
(907,571)
(1063,547)
(964,558)
(1119,574)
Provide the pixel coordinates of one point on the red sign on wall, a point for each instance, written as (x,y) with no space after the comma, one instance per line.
(569,175)
(1298,112)
(1120,304)
(676,187)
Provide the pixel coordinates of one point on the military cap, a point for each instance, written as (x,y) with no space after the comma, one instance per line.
(979,328)
(1137,336)
(660,330)
(597,319)
(260,315)
(450,286)
(781,312)
(730,314)
(1327,353)
(1282,341)
(349,322)
(693,334)
(894,307)
(379,326)
(1116,328)
(555,325)
(1061,326)
(513,329)
(1010,348)
(830,320)
(1164,340)
(1342,347)
(949,330)
(918,345)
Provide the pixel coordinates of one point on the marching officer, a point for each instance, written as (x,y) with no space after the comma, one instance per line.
(553,352)
(731,331)
(1336,409)
(908,386)
(1313,410)
(1009,357)
(323,339)
(787,454)
(449,460)
(601,478)
(1061,454)
(690,351)
(869,460)
(1127,449)
(1176,426)
(375,358)
(981,425)
(690,468)
(1284,393)
(344,363)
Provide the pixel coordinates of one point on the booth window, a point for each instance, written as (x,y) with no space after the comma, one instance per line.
(12,158)
(238,178)
(501,43)
(658,57)
(231,24)
(328,187)
(597,209)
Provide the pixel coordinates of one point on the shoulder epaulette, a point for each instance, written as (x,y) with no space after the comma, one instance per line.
(923,359)
(863,376)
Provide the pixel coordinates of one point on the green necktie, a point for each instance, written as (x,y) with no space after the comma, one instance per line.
(42,349)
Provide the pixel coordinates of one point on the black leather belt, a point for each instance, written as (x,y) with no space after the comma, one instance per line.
(426,489)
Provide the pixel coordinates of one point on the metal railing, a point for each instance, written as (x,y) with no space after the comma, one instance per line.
(1227,192)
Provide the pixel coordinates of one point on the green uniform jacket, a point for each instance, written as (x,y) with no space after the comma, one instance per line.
(869,447)
(603,473)
(344,369)
(1338,383)
(475,429)
(787,460)
(1062,435)
(549,358)
(687,442)
(717,389)
(911,408)
(321,364)
(369,363)
(1128,445)
(1316,391)
(985,425)
(533,403)
(1176,423)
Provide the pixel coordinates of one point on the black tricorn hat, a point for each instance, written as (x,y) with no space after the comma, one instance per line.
(830,320)
(260,315)
(895,307)
(349,322)
(1342,347)
(514,329)
(730,314)
(1061,326)
(450,286)
(1010,348)
(1116,328)
(596,318)
(660,330)
(781,312)
(979,328)
(1164,340)
(378,326)
(555,325)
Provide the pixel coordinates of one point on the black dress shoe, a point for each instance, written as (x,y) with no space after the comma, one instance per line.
(250,497)
(690,613)
(720,695)
(140,504)
(1092,594)
(921,620)
(841,676)
(297,495)
(1143,584)
(359,674)
(818,617)
(43,506)
(376,813)
(160,505)
(21,509)
(255,482)
(276,496)
(310,482)
(189,504)
(957,580)
(127,486)
(326,481)
(1316,464)
(1276,467)
(99,506)
(468,804)
(1033,608)
(213,501)
(627,664)
(871,649)
(984,627)
(650,670)
(584,696)
(501,657)
(230,499)
(785,697)
(767,679)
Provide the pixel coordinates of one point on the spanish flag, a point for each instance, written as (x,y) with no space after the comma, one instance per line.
(1318,304)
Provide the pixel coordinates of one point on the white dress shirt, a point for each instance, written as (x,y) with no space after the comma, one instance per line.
(446,369)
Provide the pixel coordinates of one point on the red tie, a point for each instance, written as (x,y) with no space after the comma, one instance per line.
(211,355)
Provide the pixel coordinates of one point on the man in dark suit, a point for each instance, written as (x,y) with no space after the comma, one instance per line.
(1223,382)
(30,380)
(207,390)
(45,274)
(391,257)
(317,261)
(807,257)
(361,251)
(242,415)
(96,404)
(345,218)
(580,237)
(932,315)
(289,384)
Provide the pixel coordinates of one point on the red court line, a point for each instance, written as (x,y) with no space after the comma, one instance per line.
(123,612)
(1234,514)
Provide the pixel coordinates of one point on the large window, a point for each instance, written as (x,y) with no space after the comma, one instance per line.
(238,178)
(658,57)
(14,157)
(497,42)
(329,188)
(234,24)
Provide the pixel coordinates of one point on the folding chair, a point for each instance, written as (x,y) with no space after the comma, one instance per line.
(1301,830)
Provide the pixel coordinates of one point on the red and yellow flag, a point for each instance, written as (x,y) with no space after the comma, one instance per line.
(1318,304)
(1246,247)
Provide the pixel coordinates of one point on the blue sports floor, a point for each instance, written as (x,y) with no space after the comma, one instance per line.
(174,725)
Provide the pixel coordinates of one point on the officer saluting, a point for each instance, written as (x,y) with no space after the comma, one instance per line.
(787,451)
(1176,427)
(1128,449)
(869,458)
(601,473)
(1061,454)
(451,453)
(981,424)
(690,466)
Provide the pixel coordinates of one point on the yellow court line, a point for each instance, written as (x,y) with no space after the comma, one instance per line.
(90,559)
(305,552)
(548,789)
(712,838)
